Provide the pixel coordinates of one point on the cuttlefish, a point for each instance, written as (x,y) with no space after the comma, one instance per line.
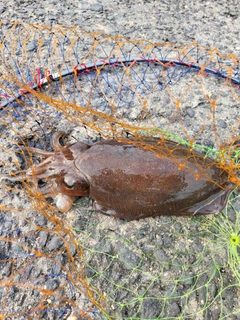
(131,179)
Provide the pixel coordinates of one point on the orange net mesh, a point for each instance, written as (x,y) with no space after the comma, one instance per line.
(79,264)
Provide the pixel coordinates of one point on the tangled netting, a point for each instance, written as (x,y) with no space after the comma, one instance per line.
(84,265)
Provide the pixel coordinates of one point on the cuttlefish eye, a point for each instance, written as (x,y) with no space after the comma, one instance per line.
(74,182)
(69,179)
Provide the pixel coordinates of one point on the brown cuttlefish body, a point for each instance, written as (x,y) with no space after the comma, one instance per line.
(131,182)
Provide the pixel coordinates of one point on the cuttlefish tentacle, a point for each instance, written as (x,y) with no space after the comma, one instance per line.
(57,147)
(40,152)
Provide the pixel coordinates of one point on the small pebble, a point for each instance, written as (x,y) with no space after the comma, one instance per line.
(43,236)
(55,243)
(151,309)
(51,284)
(190,112)
(96,7)
(41,221)
(31,46)
(222,124)
(129,258)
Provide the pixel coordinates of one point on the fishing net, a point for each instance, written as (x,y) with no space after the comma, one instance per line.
(85,265)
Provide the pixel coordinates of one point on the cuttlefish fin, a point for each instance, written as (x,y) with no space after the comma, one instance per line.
(212,205)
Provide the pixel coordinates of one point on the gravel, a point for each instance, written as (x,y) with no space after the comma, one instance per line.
(129,258)
(158,268)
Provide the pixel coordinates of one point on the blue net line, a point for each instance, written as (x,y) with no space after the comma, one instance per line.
(91,67)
